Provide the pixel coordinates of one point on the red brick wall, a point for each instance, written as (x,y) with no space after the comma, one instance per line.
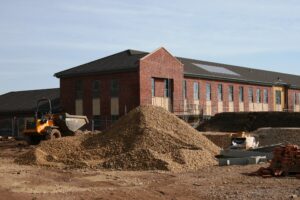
(160,64)
(128,92)
(291,93)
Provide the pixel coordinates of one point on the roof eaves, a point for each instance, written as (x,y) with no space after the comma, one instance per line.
(59,74)
(131,69)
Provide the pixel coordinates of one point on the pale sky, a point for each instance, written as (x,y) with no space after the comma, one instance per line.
(40,37)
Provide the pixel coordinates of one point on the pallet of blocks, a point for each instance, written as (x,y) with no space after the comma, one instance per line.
(285,162)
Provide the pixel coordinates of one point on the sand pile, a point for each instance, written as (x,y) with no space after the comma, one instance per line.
(147,138)
(268,136)
(221,139)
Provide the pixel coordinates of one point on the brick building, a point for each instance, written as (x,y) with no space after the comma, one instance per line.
(113,85)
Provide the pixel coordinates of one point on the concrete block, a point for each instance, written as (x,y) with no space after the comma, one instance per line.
(242,161)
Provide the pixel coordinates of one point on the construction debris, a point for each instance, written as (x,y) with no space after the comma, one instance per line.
(147,138)
(243,141)
(286,161)
(225,140)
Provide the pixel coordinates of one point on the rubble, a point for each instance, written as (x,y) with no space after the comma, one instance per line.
(286,161)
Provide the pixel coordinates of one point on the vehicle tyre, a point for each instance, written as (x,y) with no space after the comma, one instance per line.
(53,134)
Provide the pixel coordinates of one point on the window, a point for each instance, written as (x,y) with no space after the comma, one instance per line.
(153,87)
(298,98)
(208,92)
(167,88)
(114,88)
(250,95)
(96,88)
(230,93)
(220,92)
(258,96)
(241,94)
(196,90)
(184,89)
(96,123)
(278,97)
(266,96)
(78,97)
(295,98)
(78,89)
(96,97)
(114,106)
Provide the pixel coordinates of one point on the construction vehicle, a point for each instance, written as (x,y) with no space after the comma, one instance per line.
(47,125)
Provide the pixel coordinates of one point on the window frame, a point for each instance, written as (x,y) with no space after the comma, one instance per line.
(96,90)
(276,97)
(230,93)
(241,94)
(220,92)
(184,89)
(114,87)
(153,87)
(196,91)
(266,96)
(251,95)
(258,96)
(208,92)
(167,88)
(78,89)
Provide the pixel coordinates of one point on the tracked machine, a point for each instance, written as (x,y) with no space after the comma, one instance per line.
(47,125)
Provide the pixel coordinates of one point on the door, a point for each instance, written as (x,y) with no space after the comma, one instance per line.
(279,98)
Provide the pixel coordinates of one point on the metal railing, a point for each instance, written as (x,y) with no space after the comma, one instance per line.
(12,127)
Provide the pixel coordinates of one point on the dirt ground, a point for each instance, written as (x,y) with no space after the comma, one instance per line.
(32,182)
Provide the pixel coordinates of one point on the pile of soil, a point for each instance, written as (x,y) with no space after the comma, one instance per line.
(249,121)
(268,136)
(221,139)
(147,138)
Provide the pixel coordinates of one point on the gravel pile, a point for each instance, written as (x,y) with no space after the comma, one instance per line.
(268,136)
(221,139)
(147,138)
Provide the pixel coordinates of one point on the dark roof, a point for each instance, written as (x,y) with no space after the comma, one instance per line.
(122,61)
(25,101)
(243,74)
(129,59)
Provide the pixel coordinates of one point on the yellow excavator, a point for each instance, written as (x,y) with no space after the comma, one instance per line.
(47,125)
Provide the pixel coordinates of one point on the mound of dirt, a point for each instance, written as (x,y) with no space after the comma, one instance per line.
(268,136)
(221,139)
(147,138)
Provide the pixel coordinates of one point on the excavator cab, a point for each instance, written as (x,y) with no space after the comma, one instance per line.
(47,125)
